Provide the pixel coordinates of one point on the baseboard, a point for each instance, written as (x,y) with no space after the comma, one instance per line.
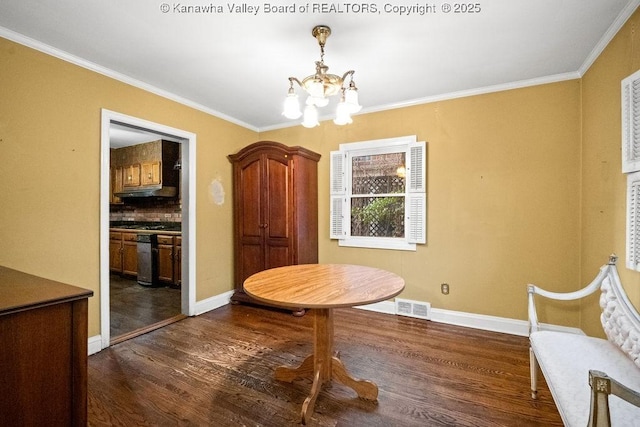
(212,303)
(458,318)
(386,307)
(476,321)
(95,344)
(480,321)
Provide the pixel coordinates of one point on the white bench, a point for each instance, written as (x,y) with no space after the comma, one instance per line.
(593,381)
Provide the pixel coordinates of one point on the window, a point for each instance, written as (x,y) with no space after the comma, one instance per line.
(631,123)
(630,97)
(633,221)
(378,195)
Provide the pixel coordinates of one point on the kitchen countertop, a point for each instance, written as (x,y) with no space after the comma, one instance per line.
(171,229)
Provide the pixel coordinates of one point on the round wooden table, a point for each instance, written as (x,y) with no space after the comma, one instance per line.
(321,288)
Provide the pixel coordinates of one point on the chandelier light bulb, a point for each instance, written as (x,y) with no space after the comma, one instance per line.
(351,99)
(310,118)
(343,115)
(292,106)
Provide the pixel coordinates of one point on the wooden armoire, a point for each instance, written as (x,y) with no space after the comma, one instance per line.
(275,203)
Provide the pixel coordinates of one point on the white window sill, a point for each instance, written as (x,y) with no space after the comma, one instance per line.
(377,243)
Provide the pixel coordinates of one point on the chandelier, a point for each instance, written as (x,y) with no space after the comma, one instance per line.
(320,86)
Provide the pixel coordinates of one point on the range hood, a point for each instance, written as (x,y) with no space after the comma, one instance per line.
(158,191)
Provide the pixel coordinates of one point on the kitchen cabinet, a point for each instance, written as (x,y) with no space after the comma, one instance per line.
(150,174)
(165,259)
(43,351)
(131,175)
(169,259)
(115,252)
(123,253)
(146,166)
(116,184)
(275,203)
(130,254)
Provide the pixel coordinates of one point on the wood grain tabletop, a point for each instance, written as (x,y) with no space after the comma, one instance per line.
(323,285)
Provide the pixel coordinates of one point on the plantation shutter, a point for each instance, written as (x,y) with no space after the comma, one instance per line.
(337,226)
(416,210)
(631,123)
(633,221)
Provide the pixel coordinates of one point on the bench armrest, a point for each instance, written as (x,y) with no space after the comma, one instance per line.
(601,387)
(533,290)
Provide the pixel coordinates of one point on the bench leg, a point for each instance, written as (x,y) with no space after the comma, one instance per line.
(600,384)
(533,366)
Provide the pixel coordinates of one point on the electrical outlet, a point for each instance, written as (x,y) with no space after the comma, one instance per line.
(444,288)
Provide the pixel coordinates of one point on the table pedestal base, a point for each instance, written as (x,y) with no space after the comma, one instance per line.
(323,365)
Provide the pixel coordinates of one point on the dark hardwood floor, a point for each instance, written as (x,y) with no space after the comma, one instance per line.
(134,307)
(217,369)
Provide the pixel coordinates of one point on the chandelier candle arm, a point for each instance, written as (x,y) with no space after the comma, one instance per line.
(320,86)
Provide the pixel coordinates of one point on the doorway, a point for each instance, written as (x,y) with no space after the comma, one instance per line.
(115,124)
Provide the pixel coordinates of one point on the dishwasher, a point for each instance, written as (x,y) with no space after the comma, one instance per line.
(147,244)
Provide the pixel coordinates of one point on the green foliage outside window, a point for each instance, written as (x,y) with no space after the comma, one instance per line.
(378,217)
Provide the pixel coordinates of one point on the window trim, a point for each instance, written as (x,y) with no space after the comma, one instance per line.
(415,193)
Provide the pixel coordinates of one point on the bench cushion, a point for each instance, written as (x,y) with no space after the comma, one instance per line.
(565,360)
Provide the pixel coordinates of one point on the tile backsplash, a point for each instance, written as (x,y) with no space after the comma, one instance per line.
(148,211)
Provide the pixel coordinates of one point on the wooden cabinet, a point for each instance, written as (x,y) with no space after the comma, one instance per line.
(115,252)
(169,259)
(144,167)
(123,253)
(150,174)
(130,254)
(165,259)
(43,351)
(132,175)
(116,184)
(275,202)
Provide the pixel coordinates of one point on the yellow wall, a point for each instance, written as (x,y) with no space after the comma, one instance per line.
(523,185)
(50,175)
(503,199)
(603,184)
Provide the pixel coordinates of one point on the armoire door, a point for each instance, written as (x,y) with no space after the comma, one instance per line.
(277,213)
(249,218)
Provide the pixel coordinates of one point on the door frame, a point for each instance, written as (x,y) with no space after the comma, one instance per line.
(188,195)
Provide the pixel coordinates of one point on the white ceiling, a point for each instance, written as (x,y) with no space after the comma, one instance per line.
(121,135)
(236,65)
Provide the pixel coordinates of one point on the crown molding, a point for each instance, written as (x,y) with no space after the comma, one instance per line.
(65,56)
(448,96)
(609,35)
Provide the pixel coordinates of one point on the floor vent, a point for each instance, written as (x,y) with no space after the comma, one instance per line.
(418,309)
